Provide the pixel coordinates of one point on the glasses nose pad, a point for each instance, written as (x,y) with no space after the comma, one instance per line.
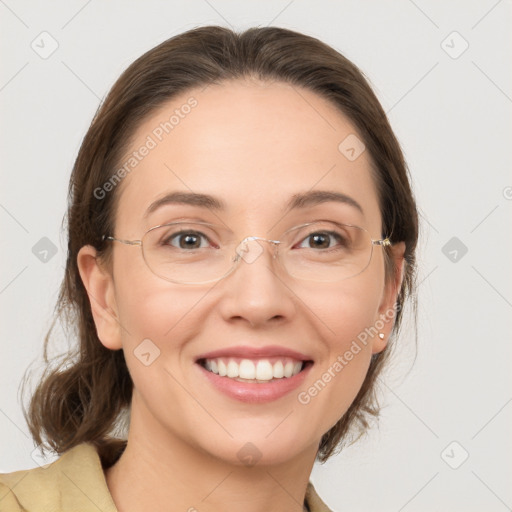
(249,250)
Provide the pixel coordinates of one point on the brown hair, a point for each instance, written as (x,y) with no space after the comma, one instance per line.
(82,398)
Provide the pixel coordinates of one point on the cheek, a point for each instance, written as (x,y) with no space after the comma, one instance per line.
(159,311)
(348,317)
(349,308)
(156,317)
(147,306)
(159,323)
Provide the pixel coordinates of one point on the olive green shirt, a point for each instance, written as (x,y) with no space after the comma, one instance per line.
(76,483)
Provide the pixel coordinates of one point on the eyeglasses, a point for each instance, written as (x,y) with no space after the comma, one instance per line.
(200,252)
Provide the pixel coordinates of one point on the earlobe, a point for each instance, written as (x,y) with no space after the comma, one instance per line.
(100,290)
(387,308)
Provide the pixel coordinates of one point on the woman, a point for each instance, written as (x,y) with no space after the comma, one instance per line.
(242,239)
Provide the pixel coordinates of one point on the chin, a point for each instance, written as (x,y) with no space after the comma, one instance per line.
(258,451)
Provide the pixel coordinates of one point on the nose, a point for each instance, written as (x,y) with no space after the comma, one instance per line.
(257,290)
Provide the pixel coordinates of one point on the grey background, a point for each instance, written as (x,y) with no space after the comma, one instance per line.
(451,113)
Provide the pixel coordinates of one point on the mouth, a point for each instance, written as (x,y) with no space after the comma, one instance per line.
(254,375)
(255,370)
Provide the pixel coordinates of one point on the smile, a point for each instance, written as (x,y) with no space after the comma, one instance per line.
(255,371)
(254,375)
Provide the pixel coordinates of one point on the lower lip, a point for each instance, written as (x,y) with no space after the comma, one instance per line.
(253,392)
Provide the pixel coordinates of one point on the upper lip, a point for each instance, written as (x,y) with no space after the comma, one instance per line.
(255,353)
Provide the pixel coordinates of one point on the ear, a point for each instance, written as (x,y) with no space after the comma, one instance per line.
(387,308)
(100,289)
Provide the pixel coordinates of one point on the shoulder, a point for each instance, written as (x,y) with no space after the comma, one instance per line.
(314,502)
(72,482)
(75,481)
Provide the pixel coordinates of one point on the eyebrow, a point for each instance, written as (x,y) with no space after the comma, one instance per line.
(297,201)
(316,197)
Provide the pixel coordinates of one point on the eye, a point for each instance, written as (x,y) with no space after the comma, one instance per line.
(187,240)
(323,240)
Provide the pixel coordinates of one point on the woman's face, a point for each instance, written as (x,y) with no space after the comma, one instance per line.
(253,146)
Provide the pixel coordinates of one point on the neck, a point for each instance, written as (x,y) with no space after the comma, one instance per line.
(160,472)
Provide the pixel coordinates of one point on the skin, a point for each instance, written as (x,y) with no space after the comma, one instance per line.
(253,144)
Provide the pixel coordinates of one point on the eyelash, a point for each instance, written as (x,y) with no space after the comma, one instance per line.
(331,234)
(184,233)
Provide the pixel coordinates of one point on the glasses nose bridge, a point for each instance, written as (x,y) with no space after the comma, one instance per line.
(248,254)
(274,242)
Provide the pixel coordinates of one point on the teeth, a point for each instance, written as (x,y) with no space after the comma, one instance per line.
(264,370)
(278,370)
(247,370)
(261,370)
(288,369)
(232,369)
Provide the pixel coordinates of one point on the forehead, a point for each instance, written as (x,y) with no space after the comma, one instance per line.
(253,144)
